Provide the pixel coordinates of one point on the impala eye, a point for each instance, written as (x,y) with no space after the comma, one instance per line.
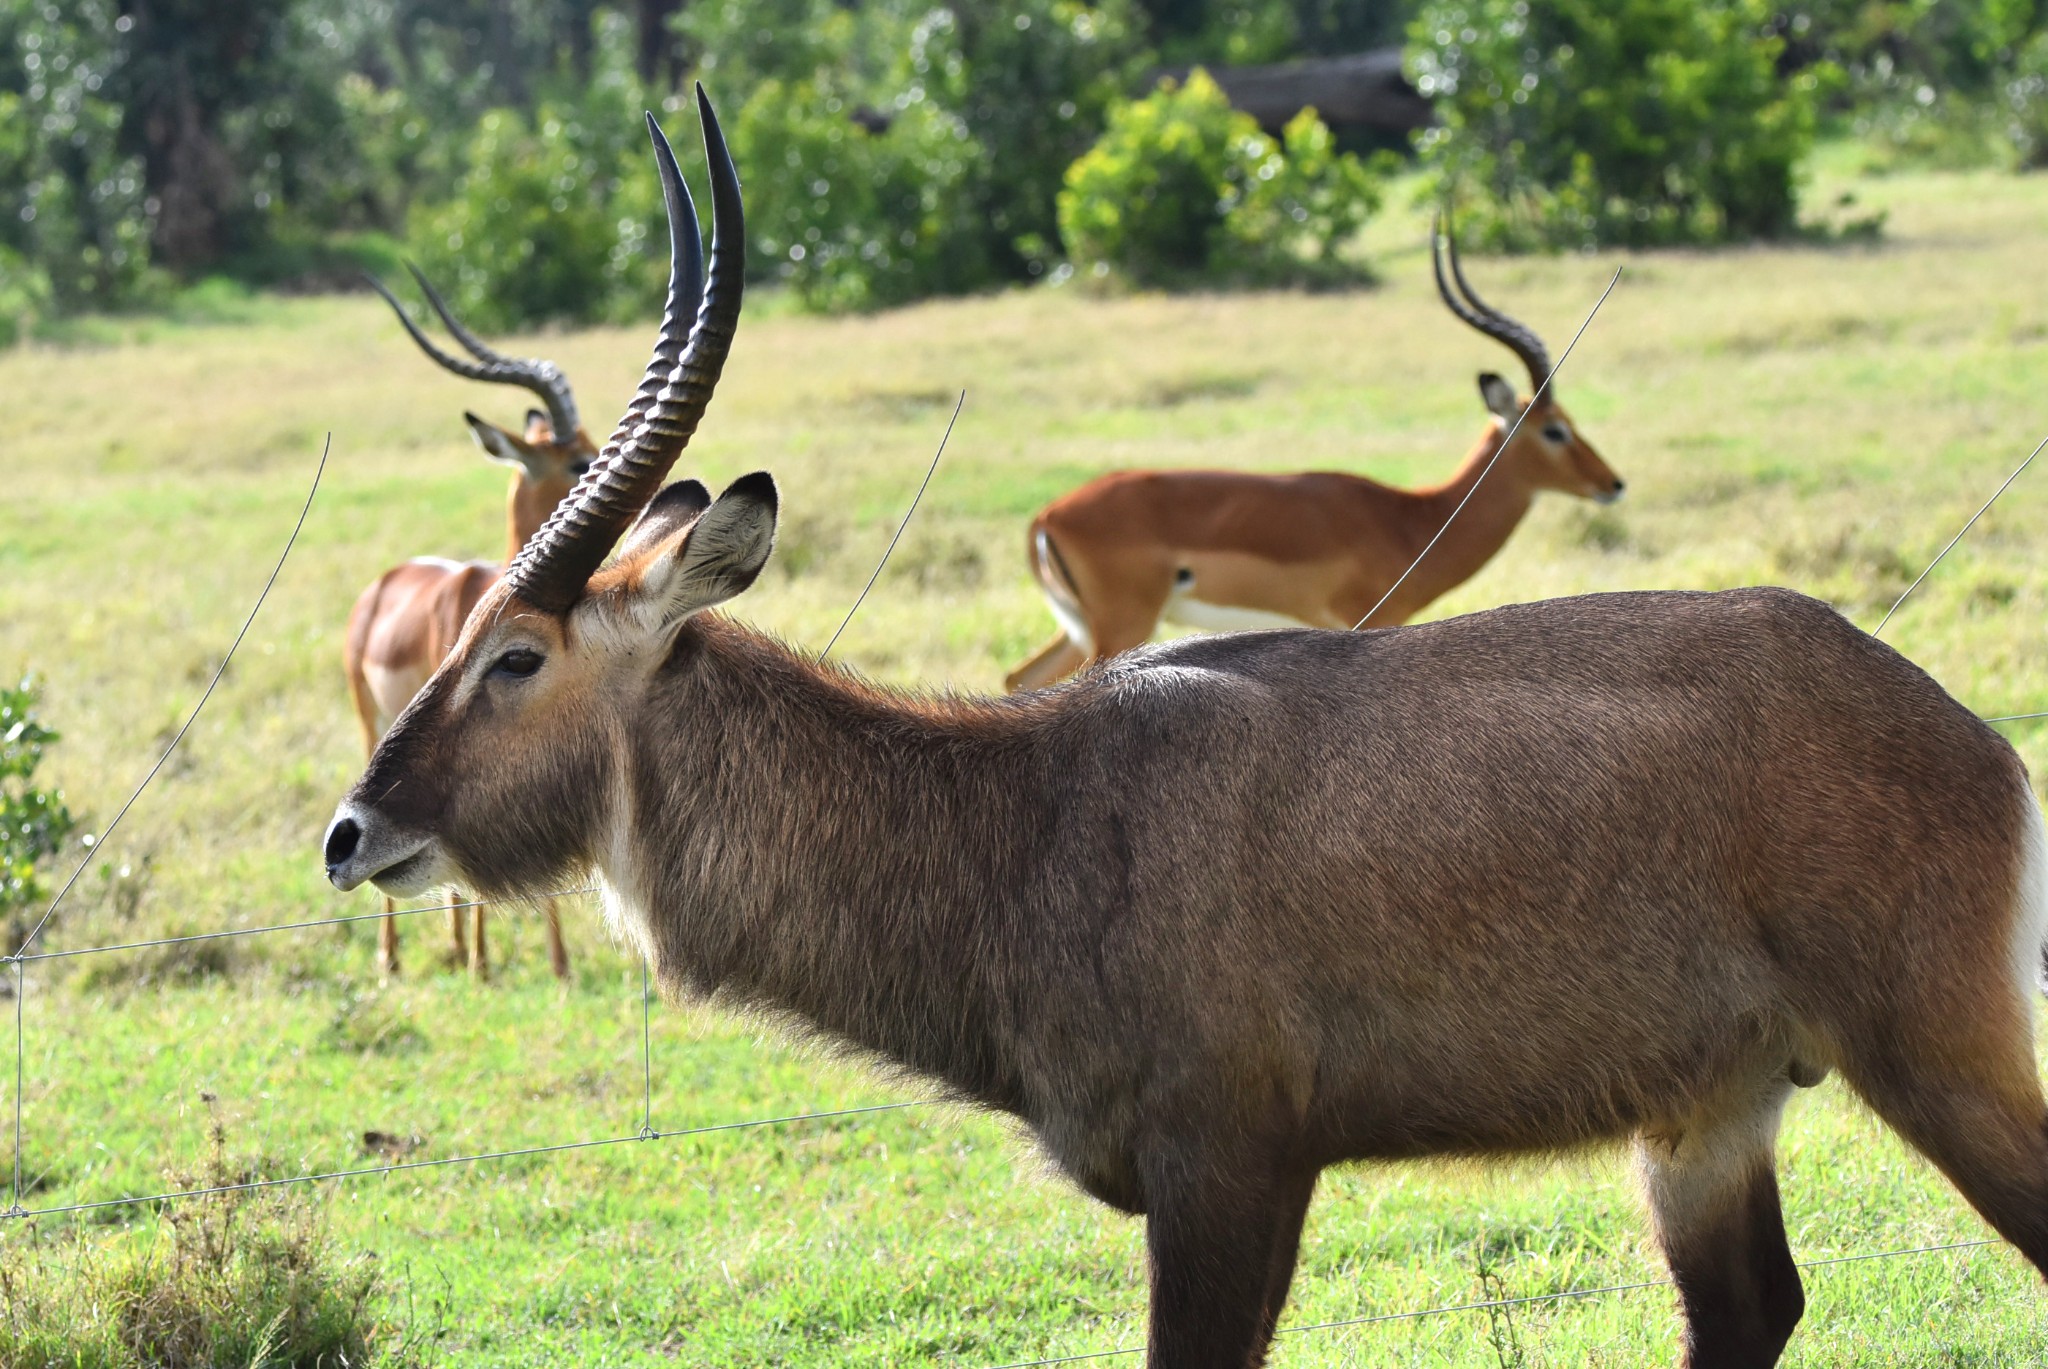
(1555,432)
(579,469)
(519,663)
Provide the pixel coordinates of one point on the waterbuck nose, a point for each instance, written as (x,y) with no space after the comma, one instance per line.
(341,842)
(1619,484)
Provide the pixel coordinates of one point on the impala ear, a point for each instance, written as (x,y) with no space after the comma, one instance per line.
(674,509)
(719,555)
(504,448)
(1499,396)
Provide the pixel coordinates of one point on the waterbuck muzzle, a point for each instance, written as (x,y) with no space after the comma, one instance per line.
(425,797)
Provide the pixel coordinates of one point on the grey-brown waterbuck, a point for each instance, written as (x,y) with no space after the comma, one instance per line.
(1220,913)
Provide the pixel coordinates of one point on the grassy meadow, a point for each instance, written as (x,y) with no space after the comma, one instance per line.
(1823,418)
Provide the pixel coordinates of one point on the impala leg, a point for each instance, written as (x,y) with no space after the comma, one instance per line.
(1714,1199)
(1055,660)
(1219,1239)
(458,940)
(479,953)
(558,954)
(387,940)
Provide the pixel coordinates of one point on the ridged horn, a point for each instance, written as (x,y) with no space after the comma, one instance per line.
(1516,336)
(551,571)
(543,378)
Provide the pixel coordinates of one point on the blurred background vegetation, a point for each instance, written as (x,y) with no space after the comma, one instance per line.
(899,149)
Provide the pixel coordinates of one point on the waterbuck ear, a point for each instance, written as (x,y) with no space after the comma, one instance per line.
(1499,396)
(675,508)
(504,448)
(721,554)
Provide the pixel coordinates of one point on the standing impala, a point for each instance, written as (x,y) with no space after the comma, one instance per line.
(1234,909)
(409,618)
(1232,549)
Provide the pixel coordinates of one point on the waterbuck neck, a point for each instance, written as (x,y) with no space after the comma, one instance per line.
(834,852)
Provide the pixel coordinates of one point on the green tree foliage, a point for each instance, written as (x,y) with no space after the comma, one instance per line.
(554,214)
(897,149)
(1578,123)
(34,823)
(1182,188)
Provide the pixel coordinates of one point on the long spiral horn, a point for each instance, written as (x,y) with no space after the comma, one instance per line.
(551,571)
(543,378)
(1516,336)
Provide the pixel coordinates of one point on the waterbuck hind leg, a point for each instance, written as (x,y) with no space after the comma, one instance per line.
(1713,1197)
(558,954)
(1214,1238)
(387,940)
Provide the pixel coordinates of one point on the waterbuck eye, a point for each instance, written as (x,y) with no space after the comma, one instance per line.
(1555,432)
(519,663)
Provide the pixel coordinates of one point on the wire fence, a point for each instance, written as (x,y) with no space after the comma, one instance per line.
(26,955)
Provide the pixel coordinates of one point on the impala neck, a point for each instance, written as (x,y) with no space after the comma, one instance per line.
(792,840)
(1496,507)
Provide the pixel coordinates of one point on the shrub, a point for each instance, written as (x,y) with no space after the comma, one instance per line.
(245,1277)
(1183,189)
(900,149)
(557,216)
(34,823)
(1582,123)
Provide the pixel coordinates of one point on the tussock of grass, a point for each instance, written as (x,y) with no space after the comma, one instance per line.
(243,1279)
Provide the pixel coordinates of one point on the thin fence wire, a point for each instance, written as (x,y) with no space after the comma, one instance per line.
(915,499)
(297,926)
(2017,472)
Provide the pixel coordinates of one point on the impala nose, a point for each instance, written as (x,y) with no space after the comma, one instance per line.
(342,837)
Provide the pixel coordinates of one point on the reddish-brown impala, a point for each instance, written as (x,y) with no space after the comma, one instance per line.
(1236,549)
(409,618)
(1226,911)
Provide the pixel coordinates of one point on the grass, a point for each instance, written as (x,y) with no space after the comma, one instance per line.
(1824,418)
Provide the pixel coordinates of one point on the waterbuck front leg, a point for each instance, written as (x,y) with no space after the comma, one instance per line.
(1221,1236)
(1713,1194)
(387,940)
(558,954)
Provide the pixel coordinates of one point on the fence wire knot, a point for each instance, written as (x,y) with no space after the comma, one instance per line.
(648,1133)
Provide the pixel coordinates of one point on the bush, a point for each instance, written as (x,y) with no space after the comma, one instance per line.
(34,823)
(1584,123)
(897,149)
(557,217)
(245,1278)
(1183,189)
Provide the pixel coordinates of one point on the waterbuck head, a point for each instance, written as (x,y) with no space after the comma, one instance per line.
(533,698)
(1547,451)
(551,452)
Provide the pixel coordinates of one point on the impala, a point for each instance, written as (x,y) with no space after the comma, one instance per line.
(1630,867)
(409,618)
(1232,549)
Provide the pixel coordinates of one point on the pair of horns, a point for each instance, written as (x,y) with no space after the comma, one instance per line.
(552,569)
(544,378)
(1516,336)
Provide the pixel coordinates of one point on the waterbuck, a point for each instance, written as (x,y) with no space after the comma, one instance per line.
(1220,913)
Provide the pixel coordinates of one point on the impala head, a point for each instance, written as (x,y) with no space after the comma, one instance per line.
(1548,448)
(552,451)
(534,697)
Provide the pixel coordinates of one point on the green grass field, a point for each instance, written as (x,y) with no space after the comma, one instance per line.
(1821,418)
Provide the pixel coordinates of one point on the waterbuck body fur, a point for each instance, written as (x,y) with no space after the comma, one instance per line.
(1224,912)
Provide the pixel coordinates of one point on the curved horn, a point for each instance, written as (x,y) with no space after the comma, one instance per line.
(543,378)
(551,571)
(1517,337)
